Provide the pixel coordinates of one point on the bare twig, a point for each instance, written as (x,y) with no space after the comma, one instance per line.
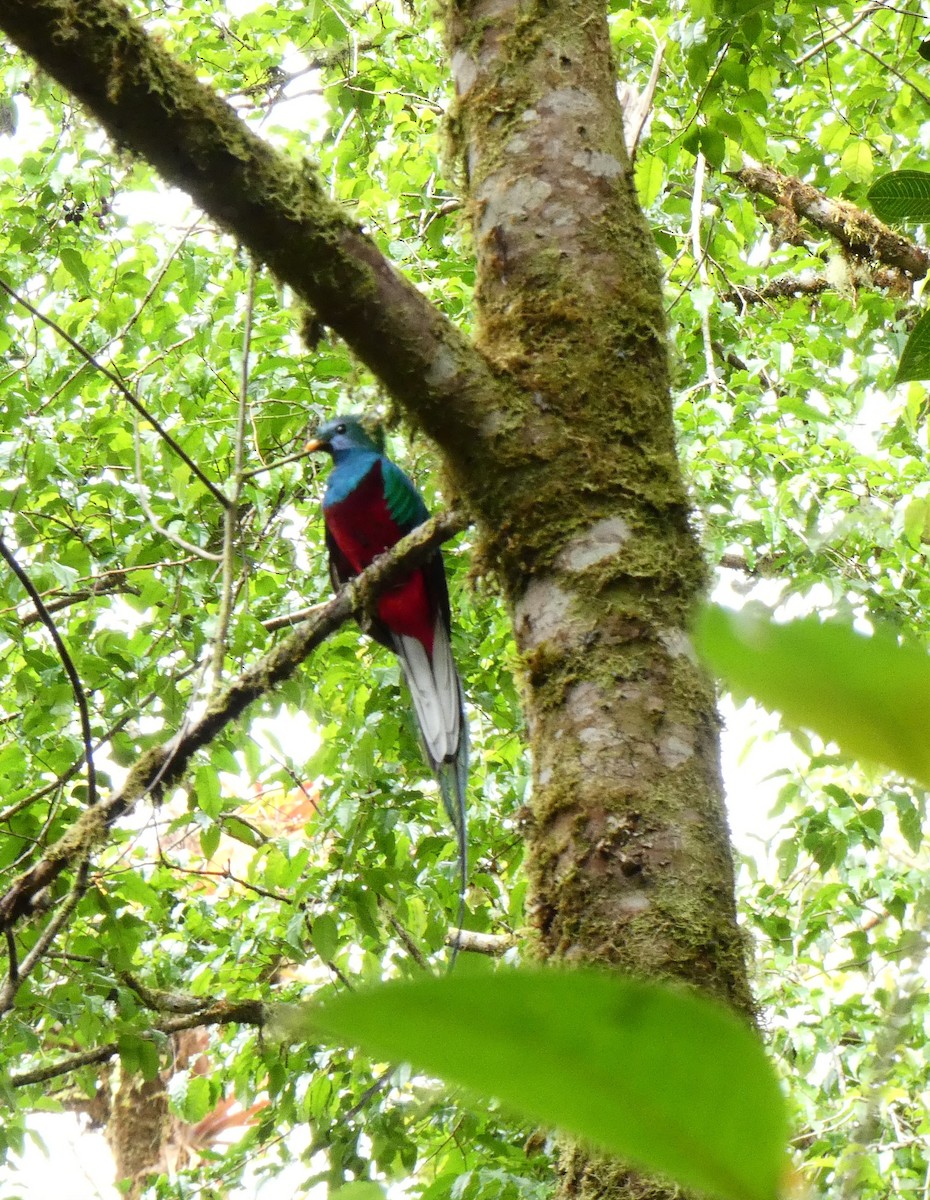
(66,661)
(273,466)
(290,619)
(231,516)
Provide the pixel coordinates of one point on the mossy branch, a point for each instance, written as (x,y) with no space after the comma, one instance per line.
(163,765)
(220,1012)
(154,104)
(857,231)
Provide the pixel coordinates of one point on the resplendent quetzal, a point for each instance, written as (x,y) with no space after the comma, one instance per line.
(368,506)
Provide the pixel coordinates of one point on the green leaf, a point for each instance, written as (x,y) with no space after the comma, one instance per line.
(196,1100)
(857,161)
(650,178)
(209,840)
(915,357)
(909,821)
(207,788)
(868,694)
(901,196)
(74,264)
(242,831)
(359,1190)
(917,521)
(325,935)
(626,1065)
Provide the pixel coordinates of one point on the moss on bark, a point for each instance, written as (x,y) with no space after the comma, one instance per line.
(587,518)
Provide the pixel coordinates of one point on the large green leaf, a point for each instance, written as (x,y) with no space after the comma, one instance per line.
(868,694)
(915,357)
(657,1075)
(901,196)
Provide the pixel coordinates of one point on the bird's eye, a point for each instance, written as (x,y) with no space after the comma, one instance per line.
(340,428)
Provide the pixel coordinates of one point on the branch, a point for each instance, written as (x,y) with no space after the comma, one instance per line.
(223,1012)
(812,283)
(637,106)
(148,101)
(19,972)
(165,764)
(842,31)
(856,230)
(231,529)
(493,944)
(118,726)
(66,661)
(32,616)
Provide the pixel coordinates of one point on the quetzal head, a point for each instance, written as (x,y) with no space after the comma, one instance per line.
(340,435)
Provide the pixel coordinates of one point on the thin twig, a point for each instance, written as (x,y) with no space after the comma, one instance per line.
(289,619)
(66,661)
(407,942)
(841,32)
(160,529)
(17,975)
(273,466)
(697,204)
(121,387)
(231,516)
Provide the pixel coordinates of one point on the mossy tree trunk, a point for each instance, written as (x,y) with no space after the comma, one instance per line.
(629,850)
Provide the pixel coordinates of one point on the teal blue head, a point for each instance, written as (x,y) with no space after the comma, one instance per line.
(341,435)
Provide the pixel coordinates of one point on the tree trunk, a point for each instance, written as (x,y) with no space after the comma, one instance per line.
(587,515)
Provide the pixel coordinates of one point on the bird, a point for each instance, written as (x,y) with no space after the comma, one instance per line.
(369,504)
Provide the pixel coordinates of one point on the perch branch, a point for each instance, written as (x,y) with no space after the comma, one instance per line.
(165,764)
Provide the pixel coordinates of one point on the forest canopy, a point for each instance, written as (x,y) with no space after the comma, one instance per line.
(163,364)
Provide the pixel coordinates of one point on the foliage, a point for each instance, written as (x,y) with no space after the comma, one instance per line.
(626,1064)
(868,694)
(905,196)
(307,853)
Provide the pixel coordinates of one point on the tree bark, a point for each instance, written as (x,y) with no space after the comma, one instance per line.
(629,852)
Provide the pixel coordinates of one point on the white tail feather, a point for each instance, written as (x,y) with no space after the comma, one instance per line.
(435,689)
(439,704)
